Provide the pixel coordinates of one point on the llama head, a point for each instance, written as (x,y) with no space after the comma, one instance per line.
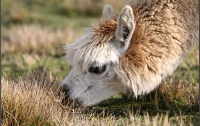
(95,58)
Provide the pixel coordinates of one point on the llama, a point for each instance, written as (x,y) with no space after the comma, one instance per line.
(132,51)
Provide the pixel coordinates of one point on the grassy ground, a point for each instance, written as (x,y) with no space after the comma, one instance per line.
(33,67)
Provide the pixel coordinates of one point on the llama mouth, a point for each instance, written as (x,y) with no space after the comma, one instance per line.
(67,100)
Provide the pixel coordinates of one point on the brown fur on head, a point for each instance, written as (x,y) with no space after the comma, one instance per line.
(131,51)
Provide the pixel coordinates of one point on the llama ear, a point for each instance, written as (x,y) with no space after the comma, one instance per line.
(124,30)
(108,12)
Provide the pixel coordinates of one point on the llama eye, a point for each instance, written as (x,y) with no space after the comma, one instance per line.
(97,69)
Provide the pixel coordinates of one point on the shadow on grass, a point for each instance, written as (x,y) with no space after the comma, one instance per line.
(122,107)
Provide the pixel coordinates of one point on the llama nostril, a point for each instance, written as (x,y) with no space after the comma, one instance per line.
(65,88)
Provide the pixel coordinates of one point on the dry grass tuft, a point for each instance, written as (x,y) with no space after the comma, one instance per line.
(34,39)
(27,102)
(182,90)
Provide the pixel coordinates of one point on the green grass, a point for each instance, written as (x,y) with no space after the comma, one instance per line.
(14,65)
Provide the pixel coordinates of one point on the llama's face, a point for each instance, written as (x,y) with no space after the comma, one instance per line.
(95,58)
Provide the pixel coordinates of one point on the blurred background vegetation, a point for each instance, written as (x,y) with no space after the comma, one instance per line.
(33,32)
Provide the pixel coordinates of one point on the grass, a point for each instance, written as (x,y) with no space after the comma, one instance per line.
(22,40)
(33,67)
(36,100)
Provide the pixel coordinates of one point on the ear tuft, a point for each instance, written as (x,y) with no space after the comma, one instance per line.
(108,12)
(126,32)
